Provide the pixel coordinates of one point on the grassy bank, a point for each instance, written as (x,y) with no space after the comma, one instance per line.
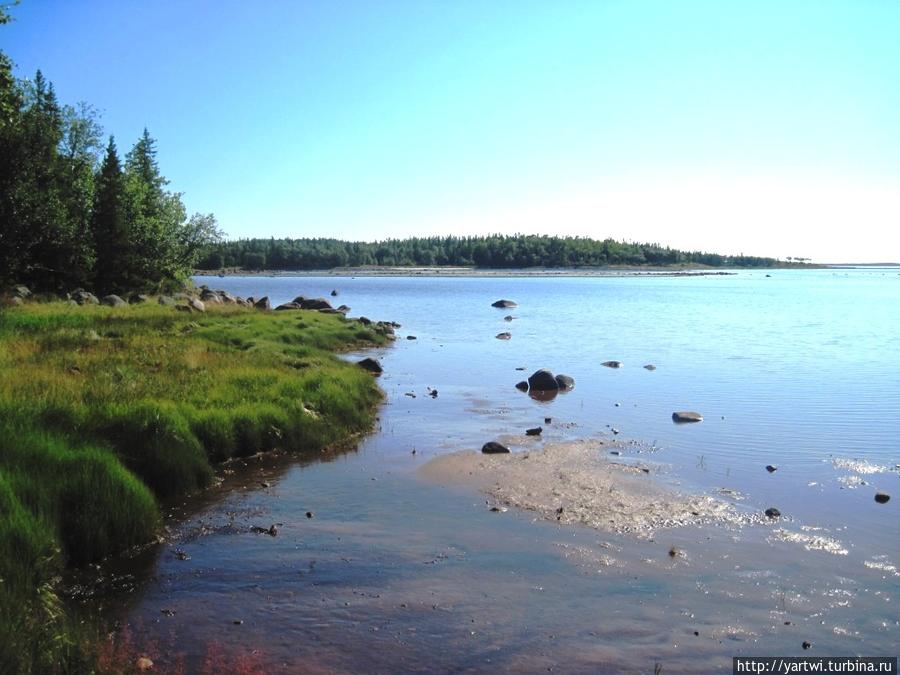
(105,410)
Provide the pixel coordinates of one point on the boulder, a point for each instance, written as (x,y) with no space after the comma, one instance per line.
(286,306)
(315,303)
(112,301)
(210,296)
(227,298)
(686,416)
(20,291)
(263,303)
(543,396)
(771,468)
(537,431)
(542,380)
(410,337)
(138,298)
(882,497)
(328,310)
(649,366)
(494,448)
(196,305)
(299,300)
(565,382)
(364,320)
(503,336)
(504,304)
(371,365)
(522,386)
(343,309)
(773,513)
(166,300)
(508,317)
(13,301)
(612,364)
(83,297)
(334,293)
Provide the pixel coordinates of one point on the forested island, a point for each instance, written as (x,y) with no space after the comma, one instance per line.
(493,251)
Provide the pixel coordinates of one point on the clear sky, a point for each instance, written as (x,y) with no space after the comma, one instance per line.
(762,127)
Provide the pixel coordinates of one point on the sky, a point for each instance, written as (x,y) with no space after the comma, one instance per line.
(758,127)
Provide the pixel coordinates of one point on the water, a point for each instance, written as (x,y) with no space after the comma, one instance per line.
(394,573)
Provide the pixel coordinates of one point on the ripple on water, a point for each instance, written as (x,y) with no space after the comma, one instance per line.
(860,466)
(811,542)
(882,564)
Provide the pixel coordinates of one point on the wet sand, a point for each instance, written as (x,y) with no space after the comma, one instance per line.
(580,482)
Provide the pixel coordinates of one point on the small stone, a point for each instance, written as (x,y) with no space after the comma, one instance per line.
(503,336)
(411,337)
(238,622)
(504,304)
(612,364)
(548,420)
(614,452)
(649,366)
(772,512)
(882,497)
(334,293)
(494,448)
(273,530)
(143,663)
(310,514)
(615,431)
(508,317)
(806,643)
(559,513)
(536,431)
(433,393)
(265,484)
(697,633)
(522,386)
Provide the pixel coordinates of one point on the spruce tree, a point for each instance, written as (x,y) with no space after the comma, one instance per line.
(109,228)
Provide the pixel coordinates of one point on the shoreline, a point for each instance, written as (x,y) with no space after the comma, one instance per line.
(541,272)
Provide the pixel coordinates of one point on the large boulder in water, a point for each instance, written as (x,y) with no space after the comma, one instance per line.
(504,304)
(565,382)
(684,416)
(542,380)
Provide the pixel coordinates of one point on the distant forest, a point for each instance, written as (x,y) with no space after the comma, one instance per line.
(495,251)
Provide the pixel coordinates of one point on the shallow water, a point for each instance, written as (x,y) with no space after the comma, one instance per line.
(393,572)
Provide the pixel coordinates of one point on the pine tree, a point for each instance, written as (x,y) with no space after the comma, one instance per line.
(109,228)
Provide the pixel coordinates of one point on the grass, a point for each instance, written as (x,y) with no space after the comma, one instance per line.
(104,411)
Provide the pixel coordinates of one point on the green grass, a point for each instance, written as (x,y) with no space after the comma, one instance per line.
(103,411)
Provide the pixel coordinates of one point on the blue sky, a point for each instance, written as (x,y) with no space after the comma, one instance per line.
(757,127)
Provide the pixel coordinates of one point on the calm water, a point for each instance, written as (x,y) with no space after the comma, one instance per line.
(799,370)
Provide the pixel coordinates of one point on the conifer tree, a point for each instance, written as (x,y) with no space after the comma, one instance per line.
(109,228)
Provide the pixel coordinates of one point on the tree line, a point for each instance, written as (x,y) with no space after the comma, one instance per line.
(496,251)
(73,213)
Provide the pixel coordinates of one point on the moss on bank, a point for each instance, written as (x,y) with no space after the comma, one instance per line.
(104,410)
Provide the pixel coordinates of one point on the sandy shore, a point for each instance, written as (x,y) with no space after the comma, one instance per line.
(580,482)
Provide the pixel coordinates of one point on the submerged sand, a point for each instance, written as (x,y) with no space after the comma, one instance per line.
(580,482)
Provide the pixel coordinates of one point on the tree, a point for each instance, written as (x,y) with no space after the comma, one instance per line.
(110,235)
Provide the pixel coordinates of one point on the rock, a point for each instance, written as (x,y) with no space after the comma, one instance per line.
(536,431)
(410,337)
(182,296)
(542,380)
(649,366)
(299,299)
(543,396)
(15,301)
(612,364)
(83,297)
(772,512)
(433,393)
(263,304)
(565,382)
(196,305)
(287,306)
(548,420)
(138,299)
(882,497)
(317,303)
(309,514)
(365,321)
(806,643)
(210,296)
(687,416)
(503,336)
(334,293)
(166,300)
(343,309)
(143,663)
(20,291)
(112,301)
(371,365)
(522,386)
(504,304)
(508,317)
(494,448)
(771,468)
(227,297)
